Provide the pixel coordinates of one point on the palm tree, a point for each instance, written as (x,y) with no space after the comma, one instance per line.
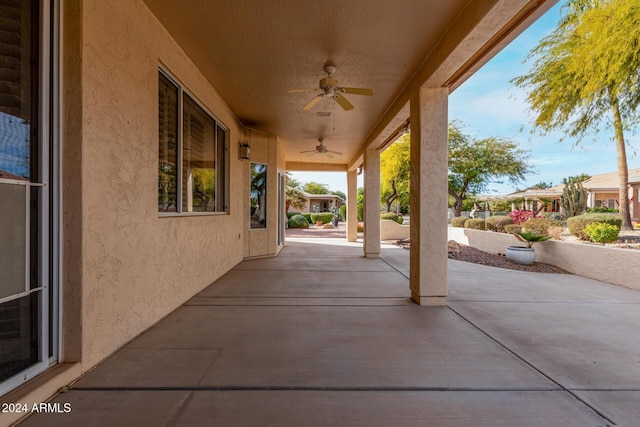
(293,194)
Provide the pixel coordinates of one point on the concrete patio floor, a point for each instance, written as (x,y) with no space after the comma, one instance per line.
(321,336)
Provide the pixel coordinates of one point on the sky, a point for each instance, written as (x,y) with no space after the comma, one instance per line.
(487,104)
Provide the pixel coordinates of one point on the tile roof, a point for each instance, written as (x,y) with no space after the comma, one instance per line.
(610,180)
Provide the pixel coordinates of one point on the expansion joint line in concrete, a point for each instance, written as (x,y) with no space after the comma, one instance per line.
(544,302)
(312,270)
(393,266)
(319,388)
(525,361)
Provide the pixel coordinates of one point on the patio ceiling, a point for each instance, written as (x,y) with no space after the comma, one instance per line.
(252,52)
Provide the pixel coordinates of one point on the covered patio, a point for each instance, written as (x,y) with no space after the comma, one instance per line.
(321,335)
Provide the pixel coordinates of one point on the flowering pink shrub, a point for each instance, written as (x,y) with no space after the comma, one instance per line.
(521,216)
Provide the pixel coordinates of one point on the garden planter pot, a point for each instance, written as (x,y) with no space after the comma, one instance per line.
(521,254)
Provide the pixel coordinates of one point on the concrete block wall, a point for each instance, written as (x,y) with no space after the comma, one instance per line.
(612,265)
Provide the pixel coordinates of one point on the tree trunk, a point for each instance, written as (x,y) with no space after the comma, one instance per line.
(457,206)
(389,200)
(623,169)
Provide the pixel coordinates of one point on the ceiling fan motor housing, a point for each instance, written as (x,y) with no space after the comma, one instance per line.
(328,83)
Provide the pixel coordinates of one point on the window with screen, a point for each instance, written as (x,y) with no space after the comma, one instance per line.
(192,162)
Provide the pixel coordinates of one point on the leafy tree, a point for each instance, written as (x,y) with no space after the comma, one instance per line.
(294,197)
(578,178)
(167,187)
(292,182)
(360,204)
(258,194)
(394,173)
(204,189)
(316,188)
(340,194)
(293,194)
(585,75)
(541,186)
(501,206)
(473,164)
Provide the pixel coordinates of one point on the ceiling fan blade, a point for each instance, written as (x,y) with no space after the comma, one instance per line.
(343,102)
(308,151)
(334,152)
(302,90)
(313,102)
(328,154)
(312,154)
(357,91)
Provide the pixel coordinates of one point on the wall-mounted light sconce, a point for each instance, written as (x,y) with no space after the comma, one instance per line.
(244,150)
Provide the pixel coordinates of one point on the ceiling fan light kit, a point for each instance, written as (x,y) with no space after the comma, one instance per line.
(328,86)
(321,150)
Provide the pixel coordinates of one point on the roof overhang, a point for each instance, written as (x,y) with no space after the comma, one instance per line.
(252,52)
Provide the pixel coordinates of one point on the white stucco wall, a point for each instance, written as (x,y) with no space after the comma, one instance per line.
(264,149)
(137,266)
(391,230)
(612,265)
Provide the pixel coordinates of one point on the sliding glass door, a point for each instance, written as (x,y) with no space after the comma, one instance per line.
(26,295)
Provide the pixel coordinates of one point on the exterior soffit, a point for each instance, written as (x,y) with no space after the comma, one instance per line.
(252,52)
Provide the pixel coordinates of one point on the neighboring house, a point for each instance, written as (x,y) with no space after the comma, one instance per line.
(318,203)
(602,192)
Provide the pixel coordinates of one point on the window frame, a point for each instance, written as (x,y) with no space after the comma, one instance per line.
(266,172)
(218,125)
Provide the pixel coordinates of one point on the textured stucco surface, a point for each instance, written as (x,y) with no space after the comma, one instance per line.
(352,207)
(264,150)
(428,200)
(611,265)
(137,266)
(391,230)
(372,204)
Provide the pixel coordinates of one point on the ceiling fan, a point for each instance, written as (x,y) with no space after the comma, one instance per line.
(329,87)
(322,150)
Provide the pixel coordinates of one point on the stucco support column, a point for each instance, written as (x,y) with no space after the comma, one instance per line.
(371,204)
(429,196)
(591,200)
(352,207)
(634,205)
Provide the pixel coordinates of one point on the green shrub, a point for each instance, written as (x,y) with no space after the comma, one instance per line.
(360,211)
(601,209)
(497,223)
(306,215)
(540,225)
(577,224)
(601,232)
(512,228)
(298,221)
(343,212)
(459,221)
(392,216)
(474,223)
(325,217)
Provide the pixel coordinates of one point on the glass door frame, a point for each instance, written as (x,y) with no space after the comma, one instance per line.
(282,216)
(49,209)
